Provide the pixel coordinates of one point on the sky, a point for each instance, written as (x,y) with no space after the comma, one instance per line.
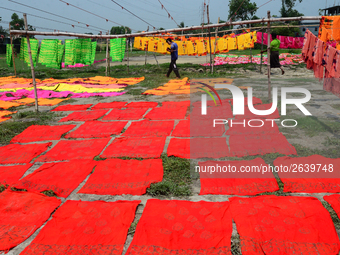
(149,12)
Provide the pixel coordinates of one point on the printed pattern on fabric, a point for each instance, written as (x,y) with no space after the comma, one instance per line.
(183,227)
(222,181)
(312,174)
(117,177)
(12,174)
(284,225)
(21,213)
(80,227)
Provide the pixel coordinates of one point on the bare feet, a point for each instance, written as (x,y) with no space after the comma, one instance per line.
(283,72)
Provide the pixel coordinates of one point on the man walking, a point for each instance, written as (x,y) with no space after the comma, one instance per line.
(174,56)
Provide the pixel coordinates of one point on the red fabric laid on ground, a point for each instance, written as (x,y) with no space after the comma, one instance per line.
(226,178)
(142,105)
(213,112)
(313,174)
(198,148)
(72,107)
(97,129)
(80,227)
(62,177)
(126,114)
(284,225)
(22,213)
(135,147)
(117,105)
(167,112)
(334,201)
(68,150)
(187,128)
(118,177)
(173,104)
(12,174)
(183,227)
(17,153)
(254,128)
(84,116)
(249,145)
(249,115)
(147,128)
(37,133)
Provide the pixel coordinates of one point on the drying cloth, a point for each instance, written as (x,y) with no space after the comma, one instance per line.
(117,49)
(97,129)
(135,147)
(34,43)
(313,174)
(249,145)
(21,214)
(147,128)
(213,112)
(254,128)
(84,115)
(49,102)
(75,88)
(4,119)
(174,86)
(106,94)
(7,105)
(196,128)
(12,174)
(118,177)
(284,225)
(80,227)
(332,25)
(227,178)
(36,133)
(249,115)
(210,81)
(198,148)
(72,107)
(17,153)
(183,227)
(167,112)
(62,177)
(9,58)
(126,114)
(6,113)
(110,105)
(68,150)
(142,105)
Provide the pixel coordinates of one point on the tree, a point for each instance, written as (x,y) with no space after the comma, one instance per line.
(119,30)
(3,32)
(241,10)
(19,24)
(287,9)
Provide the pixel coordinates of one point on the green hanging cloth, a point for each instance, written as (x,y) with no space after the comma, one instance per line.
(24,51)
(117,49)
(9,58)
(69,52)
(93,49)
(61,49)
(86,51)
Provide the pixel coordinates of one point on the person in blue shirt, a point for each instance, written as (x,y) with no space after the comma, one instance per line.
(174,56)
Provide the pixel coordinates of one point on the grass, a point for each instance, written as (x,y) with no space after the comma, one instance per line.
(23,120)
(2,188)
(336,106)
(49,193)
(333,214)
(312,126)
(176,179)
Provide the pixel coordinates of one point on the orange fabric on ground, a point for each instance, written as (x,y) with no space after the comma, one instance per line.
(5,113)
(50,102)
(7,104)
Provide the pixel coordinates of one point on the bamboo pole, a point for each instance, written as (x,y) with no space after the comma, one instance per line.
(211,69)
(268,56)
(218,21)
(127,47)
(32,66)
(22,32)
(10,36)
(107,57)
(261,52)
(154,54)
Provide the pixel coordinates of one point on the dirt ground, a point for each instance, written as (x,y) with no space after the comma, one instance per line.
(320,106)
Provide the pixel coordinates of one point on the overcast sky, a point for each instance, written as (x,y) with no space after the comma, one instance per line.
(188,11)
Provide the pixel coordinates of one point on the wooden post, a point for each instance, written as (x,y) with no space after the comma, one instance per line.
(154,54)
(15,70)
(261,52)
(146,48)
(107,57)
(209,39)
(218,21)
(32,66)
(268,61)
